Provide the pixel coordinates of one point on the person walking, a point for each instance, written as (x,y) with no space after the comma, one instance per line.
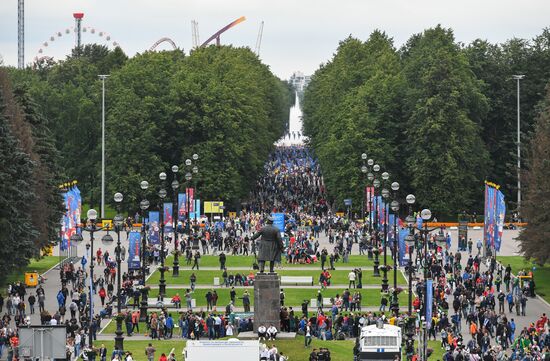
(307,339)
(150,352)
(351,278)
(32,301)
(196,259)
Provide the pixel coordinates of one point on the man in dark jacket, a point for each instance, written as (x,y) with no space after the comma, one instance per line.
(270,246)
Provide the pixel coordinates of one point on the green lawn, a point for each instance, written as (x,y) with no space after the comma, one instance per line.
(293,296)
(137,348)
(437,353)
(40,266)
(541,273)
(206,277)
(339,350)
(111,327)
(247,261)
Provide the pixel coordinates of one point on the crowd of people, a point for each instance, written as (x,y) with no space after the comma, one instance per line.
(476,300)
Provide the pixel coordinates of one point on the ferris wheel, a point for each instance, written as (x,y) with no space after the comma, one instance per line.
(59,36)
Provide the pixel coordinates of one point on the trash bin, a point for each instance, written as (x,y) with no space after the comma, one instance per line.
(31,279)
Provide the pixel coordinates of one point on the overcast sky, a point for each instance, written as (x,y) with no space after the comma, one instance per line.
(298,34)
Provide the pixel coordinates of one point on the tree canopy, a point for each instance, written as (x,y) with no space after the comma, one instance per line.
(438,115)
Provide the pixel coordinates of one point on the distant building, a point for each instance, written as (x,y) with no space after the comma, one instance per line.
(299,80)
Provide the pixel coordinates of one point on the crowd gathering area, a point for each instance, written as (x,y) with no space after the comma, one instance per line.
(328,289)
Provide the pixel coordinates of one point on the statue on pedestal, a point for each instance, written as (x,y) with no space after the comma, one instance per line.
(270,245)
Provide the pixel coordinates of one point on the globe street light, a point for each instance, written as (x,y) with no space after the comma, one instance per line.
(92,218)
(376,184)
(410,242)
(143,205)
(162,194)
(118,222)
(395,208)
(385,196)
(175,185)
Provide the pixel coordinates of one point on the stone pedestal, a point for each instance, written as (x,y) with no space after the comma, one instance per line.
(267,303)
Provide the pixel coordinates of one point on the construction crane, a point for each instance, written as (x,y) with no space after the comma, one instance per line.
(259,40)
(221,31)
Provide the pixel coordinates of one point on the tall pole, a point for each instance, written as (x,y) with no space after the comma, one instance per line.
(518,78)
(385,279)
(119,338)
(162,281)
(103,77)
(91,295)
(21,34)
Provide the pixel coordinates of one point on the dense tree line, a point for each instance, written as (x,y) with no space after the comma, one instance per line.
(30,201)
(219,102)
(535,238)
(439,116)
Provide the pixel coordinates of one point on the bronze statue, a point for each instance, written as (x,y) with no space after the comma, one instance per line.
(270,246)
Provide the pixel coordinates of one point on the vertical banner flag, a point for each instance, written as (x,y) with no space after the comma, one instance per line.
(134,250)
(182,200)
(279,221)
(154,237)
(429,303)
(489,225)
(402,246)
(190,192)
(391,235)
(419,221)
(369,193)
(500,215)
(71,218)
(167,217)
(197,208)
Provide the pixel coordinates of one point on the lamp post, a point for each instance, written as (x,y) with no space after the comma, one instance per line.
(119,222)
(376,184)
(103,77)
(143,205)
(162,194)
(364,170)
(395,209)
(92,217)
(410,242)
(518,78)
(385,195)
(426,215)
(175,185)
(106,239)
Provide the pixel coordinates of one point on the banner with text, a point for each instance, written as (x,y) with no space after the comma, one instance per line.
(134,250)
(167,217)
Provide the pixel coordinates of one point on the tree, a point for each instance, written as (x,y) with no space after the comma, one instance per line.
(17,233)
(351,106)
(446,157)
(535,237)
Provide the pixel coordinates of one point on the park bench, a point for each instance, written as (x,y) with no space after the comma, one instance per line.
(167,302)
(297,280)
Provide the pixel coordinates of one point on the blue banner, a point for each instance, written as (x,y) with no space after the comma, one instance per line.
(419,221)
(134,250)
(167,217)
(182,206)
(154,228)
(500,215)
(279,221)
(391,235)
(489,226)
(71,219)
(429,303)
(402,246)
(197,208)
